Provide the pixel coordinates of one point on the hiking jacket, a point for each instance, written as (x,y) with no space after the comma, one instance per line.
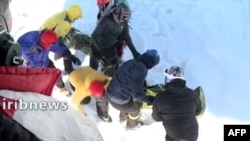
(128,82)
(34,53)
(58,22)
(108,31)
(176,108)
(81,78)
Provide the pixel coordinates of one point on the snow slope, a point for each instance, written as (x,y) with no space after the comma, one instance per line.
(208,38)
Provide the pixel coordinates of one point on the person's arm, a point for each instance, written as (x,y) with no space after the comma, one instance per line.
(155,113)
(138,84)
(129,42)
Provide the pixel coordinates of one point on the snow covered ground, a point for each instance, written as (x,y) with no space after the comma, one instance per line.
(208,38)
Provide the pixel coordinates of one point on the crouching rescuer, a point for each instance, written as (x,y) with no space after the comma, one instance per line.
(89,82)
(126,87)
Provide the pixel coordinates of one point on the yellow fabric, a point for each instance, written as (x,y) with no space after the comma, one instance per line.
(62,29)
(53,21)
(134,118)
(57,23)
(81,78)
(74,12)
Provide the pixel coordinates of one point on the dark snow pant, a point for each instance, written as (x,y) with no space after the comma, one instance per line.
(109,55)
(59,83)
(129,111)
(67,61)
(102,106)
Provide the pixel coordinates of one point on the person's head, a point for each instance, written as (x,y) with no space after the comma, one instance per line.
(62,29)
(47,38)
(174,72)
(102,3)
(150,58)
(74,12)
(97,88)
(5,15)
(121,13)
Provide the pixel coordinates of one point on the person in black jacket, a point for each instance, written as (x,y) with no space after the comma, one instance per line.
(126,87)
(106,39)
(10,130)
(176,107)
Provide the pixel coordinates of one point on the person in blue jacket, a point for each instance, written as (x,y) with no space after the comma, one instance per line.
(36,46)
(126,87)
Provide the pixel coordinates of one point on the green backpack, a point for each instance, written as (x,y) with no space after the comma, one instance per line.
(77,40)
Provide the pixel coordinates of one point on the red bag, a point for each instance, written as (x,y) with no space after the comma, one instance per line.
(38,80)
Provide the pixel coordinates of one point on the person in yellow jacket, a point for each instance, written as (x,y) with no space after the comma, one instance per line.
(61,23)
(89,82)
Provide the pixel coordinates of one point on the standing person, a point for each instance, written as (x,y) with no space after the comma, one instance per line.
(61,23)
(176,107)
(111,29)
(87,82)
(36,46)
(126,86)
(105,5)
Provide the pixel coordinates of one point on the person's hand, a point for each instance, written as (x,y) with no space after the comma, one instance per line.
(76,60)
(136,54)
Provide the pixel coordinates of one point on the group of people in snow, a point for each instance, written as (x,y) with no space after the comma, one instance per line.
(176,106)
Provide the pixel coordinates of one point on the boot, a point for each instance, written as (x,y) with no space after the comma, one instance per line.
(105,118)
(65,92)
(134,127)
(132,121)
(123,117)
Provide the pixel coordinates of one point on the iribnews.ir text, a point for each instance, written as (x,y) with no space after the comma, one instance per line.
(20,104)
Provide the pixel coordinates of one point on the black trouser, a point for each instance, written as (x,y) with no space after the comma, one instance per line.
(59,83)
(130,109)
(102,106)
(67,61)
(109,56)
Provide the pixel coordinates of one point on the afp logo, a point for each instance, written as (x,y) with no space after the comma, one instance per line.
(237,132)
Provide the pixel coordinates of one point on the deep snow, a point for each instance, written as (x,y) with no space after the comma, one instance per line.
(208,38)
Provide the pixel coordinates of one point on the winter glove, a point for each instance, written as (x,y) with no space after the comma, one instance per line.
(76,60)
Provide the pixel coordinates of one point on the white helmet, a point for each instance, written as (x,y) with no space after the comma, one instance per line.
(174,72)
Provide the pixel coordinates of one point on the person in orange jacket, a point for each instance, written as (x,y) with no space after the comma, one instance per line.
(89,82)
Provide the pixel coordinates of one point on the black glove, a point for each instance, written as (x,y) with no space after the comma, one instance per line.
(76,60)
(150,100)
(136,54)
